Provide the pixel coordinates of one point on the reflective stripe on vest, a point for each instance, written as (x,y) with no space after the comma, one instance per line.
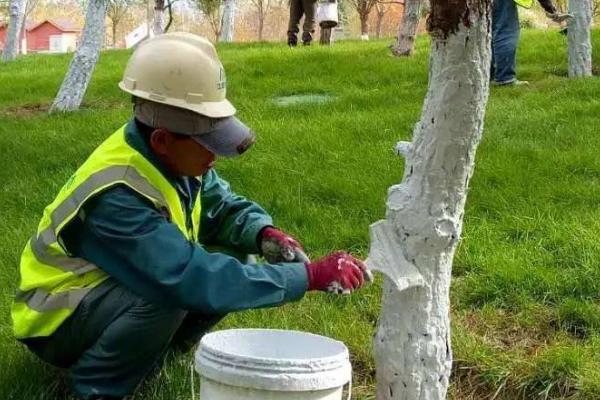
(52,282)
(524,3)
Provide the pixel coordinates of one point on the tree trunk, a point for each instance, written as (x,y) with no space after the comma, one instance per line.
(364,26)
(380,15)
(580,44)
(82,66)
(326,37)
(159,17)
(261,23)
(407,31)
(13,39)
(425,212)
(228,27)
(114,34)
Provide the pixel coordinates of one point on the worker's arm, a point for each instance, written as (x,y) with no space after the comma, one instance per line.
(229,219)
(123,234)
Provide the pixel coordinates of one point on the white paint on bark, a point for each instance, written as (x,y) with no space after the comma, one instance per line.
(82,65)
(407,31)
(16,11)
(580,43)
(228,27)
(158,22)
(425,213)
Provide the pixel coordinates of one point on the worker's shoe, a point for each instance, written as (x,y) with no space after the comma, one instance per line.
(513,82)
(306,38)
(292,39)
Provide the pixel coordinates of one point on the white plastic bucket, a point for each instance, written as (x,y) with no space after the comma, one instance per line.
(327,14)
(253,364)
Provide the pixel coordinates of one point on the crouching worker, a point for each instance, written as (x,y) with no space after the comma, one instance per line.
(118,271)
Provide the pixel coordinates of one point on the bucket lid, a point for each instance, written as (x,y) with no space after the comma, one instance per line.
(276,360)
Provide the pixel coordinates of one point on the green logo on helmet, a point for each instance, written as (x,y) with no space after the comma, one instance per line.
(222,83)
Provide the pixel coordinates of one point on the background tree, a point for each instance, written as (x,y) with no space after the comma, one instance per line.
(262,8)
(580,39)
(213,12)
(77,79)
(425,212)
(363,8)
(116,11)
(158,22)
(407,30)
(228,24)
(16,11)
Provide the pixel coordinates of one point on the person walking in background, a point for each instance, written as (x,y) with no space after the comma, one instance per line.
(505,37)
(308,8)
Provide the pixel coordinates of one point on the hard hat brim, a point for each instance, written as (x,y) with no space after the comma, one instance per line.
(212,109)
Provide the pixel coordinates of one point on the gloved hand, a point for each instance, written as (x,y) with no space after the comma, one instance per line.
(278,246)
(338,273)
(558,17)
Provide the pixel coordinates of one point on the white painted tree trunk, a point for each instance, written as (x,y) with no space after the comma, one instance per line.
(228,27)
(580,43)
(425,212)
(158,23)
(82,66)
(13,41)
(407,31)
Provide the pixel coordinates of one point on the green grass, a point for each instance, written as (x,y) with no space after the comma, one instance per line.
(526,289)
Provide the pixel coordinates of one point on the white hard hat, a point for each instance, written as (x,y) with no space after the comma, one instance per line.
(179,69)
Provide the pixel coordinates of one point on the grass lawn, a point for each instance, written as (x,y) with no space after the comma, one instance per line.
(526,288)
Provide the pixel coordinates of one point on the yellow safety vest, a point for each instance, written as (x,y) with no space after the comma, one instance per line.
(52,281)
(524,3)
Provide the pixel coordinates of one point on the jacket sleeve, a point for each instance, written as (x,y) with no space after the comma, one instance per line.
(229,219)
(123,234)
(548,6)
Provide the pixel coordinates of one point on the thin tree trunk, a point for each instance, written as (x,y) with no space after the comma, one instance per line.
(579,33)
(261,23)
(114,35)
(407,31)
(326,37)
(13,39)
(82,66)
(158,22)
(380,15)
(364,26)
(425,212)
(228,27)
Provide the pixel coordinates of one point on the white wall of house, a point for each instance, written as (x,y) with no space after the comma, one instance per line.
(63,43)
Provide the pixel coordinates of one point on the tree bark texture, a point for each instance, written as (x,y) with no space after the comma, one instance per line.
(158,22)
(326,37)
(261,24)
(580,43)
(82,65)
(380,16)
(425,211)
(407,30)
(228,27)
(364,26)
(16,11)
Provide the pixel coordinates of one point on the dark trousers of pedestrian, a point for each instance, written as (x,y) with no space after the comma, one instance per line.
(115,338)
(505,39)
(308,8)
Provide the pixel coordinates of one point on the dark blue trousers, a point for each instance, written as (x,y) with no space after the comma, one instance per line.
(115,338)
(505,39)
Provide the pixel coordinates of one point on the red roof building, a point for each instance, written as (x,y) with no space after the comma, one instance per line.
(51,35)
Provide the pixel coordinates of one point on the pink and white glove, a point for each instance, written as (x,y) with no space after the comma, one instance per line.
(277,246)
(338,273)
